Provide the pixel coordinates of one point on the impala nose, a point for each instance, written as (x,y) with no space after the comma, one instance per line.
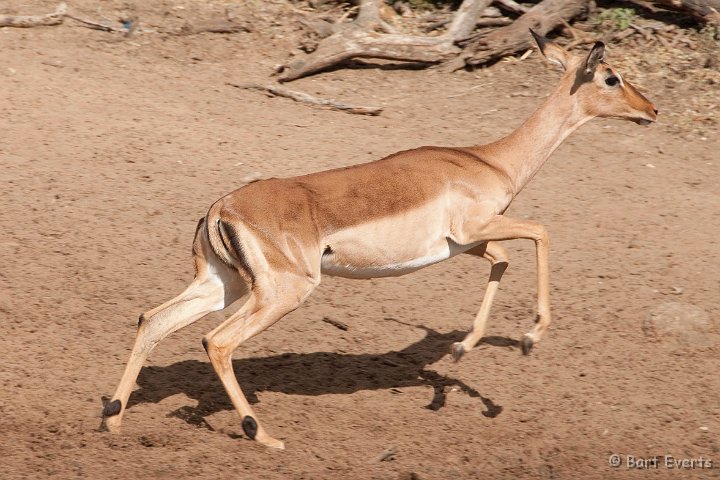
(655,110)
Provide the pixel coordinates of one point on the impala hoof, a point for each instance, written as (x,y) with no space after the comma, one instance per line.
(112,408)
(110,424)
(250,427)
(457,350)
(257,433)
(526,344)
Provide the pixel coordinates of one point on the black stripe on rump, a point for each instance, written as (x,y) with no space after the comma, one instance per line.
(236,251)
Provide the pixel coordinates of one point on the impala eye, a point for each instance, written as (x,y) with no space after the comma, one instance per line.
(612,80)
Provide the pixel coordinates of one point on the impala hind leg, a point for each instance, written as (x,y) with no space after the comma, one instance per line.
(260,312)
(215,287)
(199,299)
(498,257)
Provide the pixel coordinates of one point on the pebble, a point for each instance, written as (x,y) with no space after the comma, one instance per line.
(681,323)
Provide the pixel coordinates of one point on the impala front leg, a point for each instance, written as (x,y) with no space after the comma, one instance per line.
(504,228)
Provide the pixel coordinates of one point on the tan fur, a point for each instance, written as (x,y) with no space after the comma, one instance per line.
(273,239)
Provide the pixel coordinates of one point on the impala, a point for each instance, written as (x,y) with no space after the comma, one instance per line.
(272,239)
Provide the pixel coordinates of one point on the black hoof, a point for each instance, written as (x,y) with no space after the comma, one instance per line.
(249,426)
(526,343)
(112,408)
(457,351)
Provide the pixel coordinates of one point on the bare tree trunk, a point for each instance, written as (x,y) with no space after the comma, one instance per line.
(357,41)
(542,18)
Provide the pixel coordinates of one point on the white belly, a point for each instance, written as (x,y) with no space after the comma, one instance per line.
(392,246)
(378,268)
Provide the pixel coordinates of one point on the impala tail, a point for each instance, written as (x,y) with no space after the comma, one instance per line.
(224,239)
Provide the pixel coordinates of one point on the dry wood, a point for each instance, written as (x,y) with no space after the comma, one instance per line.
(358,41)
(98,26)
(335,323)
(403,9)
(542,18)
(211,26)
(493,22)
(303,97)
(491,12)
(25,21)
(577,37)
(57,17)
(481,23)
(511,6)
(369,17)
(703,10)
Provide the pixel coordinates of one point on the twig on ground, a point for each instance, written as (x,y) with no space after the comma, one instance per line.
(96,26)
(306,98)
(335,323)
(26,21)
(127,28)
(211,26)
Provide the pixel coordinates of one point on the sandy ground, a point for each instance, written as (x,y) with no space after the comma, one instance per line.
(111,150)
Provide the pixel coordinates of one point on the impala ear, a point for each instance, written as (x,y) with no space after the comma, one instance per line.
(596,55)
(550,50)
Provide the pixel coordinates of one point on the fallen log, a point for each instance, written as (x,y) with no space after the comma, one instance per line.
(361,40)
(543,17)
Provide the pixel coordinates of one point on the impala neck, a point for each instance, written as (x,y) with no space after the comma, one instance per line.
(524,151)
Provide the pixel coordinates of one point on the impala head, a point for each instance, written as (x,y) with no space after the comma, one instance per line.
(600,89)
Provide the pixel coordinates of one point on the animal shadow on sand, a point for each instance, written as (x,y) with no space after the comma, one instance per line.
(316,373)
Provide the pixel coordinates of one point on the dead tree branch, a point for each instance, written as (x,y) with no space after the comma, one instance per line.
(211,26)
(511,6)
(25,21)
(369,17)
(303,97)
(707,11)
(96,25)
(542,18)
(360,41)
